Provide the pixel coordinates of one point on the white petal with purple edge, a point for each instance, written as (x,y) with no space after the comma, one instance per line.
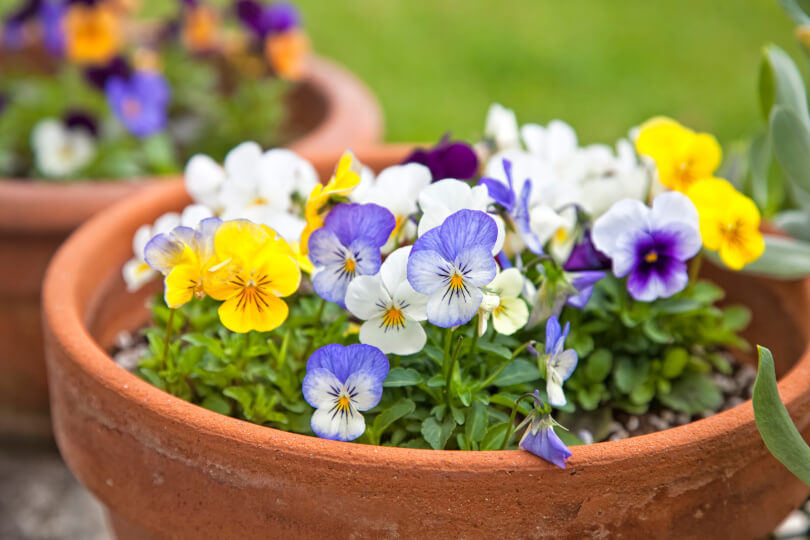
(446,308)
(364,389)
(425,271)
(336,425)
(624,216)
(477,266)
(320,387)
(673,206)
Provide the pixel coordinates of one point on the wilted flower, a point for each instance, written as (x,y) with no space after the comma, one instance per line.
(340,383)
(348,245)
(140,102)
(540,438)
(650,245)
(682,156)
(61,150)
(560,362)
(729,222)
(389,305)
(451,263)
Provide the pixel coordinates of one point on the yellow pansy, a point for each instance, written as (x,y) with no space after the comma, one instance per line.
(729,222)
(199,29)
(339,186)
(287,53)
(92,33)
(682,156)
(257,269)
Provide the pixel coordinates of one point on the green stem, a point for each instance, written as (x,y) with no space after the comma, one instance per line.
(511,425)
(694,267)
(449,378)
(169,325)
(315,323)
(474,344)
(494,375)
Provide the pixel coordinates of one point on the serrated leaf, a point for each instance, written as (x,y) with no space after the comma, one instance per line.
(494,437)
(437,434)
(598,365)
(399,376)
(399,409)
(774,423)
(694,393)
(629,374)
(518,371)
(216,403)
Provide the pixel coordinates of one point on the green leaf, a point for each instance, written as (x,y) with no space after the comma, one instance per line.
(693,393)
(675,360)
(791,144)
(598,365)
(736,318)
(517,372)
(494,437)
(629,374)
(794,222)
(402,377)
(216,403)
(399,409)
(496,350)
(780,84)
(437,434)
(242,396)
(767,186)
(795,12)
(477,419)
(773,421)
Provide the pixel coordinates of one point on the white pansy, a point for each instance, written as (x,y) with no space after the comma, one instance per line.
(444,198)
(389,305)
(610,177)
(509,312)
(502,127)
(61,151)
(136,272)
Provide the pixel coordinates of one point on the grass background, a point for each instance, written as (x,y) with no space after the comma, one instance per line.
(601,65)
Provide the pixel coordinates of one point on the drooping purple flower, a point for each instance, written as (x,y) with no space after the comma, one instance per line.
(447,159)
(451,263)
(140,102)
(515,204)
(650,245)
(539,438)
(77,118)
(583,283)
(51,14)
(585,256)
(116,68)
(348,245)
(340,383)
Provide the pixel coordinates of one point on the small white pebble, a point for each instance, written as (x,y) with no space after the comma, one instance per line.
(585,436)
(633,423)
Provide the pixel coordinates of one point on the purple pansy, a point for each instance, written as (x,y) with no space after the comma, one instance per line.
(348,245)
(262,20)
(99,75)
(516,205)
(650,245)
(51,14)
(447,159)
(340,383)
(450,264)
(140,102)
(540,438)
(585,256)
(583,282)
(560,362)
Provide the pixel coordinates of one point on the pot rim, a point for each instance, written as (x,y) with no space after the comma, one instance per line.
(344,95)
(64,319)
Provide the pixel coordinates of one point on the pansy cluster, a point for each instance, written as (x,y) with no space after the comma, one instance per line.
(97,89)
(548,279)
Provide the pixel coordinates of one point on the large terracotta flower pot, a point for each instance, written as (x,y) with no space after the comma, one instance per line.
(167,469)
(328,110)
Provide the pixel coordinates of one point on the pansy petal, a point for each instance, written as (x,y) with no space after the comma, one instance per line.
(624,216)
(468,228)
(407,339)
(366,256)
(511,315)
(673,206)
(553,333)
(508,284)
(331,282)
(193,214)
(180,284)
(556,395)
(412,304)
(204,177)
(365,388)
(369,221)
(447,308)
(425,269)
(345,425)
(163,252)
(136,274)
(565,363)
(325,248)
(477,265)
(343,361)
(395,269)
(320,387)
(242,164)
(365,296)
(248,311)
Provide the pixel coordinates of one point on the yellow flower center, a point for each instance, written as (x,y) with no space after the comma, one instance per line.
(651,257)
(560,235)
(732,232)
(254,293)
(259,201)
(131,108)
(456,281)
(349,265)
(393,317)
(343,402)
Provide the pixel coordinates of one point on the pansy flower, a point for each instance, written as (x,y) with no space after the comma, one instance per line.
(185,256)
(451,263)
(341,382)
(650,245)
(729,222)
(199,27)
(62,150)
(257,270)
(321,198)
(347,246)
(509,313)
(51,15)
(560,362)
(540,439)
(441,199)
(139,102)
(389,305)
(501,128)
(287,53)
(448,159)
(275,18)
(682,156)
(92,33)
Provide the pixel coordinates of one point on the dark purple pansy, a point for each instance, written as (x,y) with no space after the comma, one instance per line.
(140,102)
(78,118)
(585,256)
(516,204)
(116,68)
(448,159)
(51,14)
(262,20)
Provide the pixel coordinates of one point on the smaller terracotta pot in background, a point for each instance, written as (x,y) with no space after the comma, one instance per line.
(329,110)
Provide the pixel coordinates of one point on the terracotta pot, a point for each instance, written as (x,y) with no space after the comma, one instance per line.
(168,469)
(328,110)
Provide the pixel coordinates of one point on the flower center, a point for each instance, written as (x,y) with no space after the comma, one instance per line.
(259,201)
(732,232)
(349,265)
(456,281)
(393,317)
(252,293)
(66,151)
(131,108)
(651,257)
(343,402)
(560,235)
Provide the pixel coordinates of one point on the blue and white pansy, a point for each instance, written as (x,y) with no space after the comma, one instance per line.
(348,245)
(560,362)
(451,263)
(341,382)
(389,305)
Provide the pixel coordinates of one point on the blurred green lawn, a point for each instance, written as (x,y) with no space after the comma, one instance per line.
(601,65)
